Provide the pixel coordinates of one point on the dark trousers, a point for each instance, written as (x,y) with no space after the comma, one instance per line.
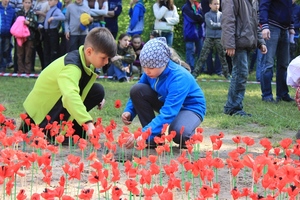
(51,45)
(75,41)
(24,54)
(146,103)
(93,98)
(39,49)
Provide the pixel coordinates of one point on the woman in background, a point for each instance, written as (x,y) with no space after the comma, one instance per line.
(166,17)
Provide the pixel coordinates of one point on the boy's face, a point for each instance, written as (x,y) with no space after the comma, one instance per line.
(215,5)
(26,4)
(52,3)
(153,72)
(97,59)
(78,1)
(5,3)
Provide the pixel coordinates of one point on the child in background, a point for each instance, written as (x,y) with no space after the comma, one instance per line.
(7,16)
(137,45)
(212,39)
(136,14)
(73,31)
(121,63)
(51,28)
(24,52)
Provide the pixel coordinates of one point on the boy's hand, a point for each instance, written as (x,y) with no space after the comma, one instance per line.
(67,35)
(130,142)
(90,129)
(263,49)
(101,104)
(126,116)
(266,34)
(230,52)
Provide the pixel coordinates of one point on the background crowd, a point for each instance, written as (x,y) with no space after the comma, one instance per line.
(55,28)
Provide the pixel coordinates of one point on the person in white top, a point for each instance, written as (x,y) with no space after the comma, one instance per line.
(166,17)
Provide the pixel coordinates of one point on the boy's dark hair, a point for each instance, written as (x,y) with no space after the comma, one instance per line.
(101,40)
(210,1)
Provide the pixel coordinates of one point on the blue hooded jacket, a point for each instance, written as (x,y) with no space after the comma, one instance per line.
(136,25)
(176,87)
(7,17)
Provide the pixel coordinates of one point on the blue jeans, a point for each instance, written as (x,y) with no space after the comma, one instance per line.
(4,50)
(238,82)
(169,37)
(278,47)
(115,71)
(258,65)
(192,51)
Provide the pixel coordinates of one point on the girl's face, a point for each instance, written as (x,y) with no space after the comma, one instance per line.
(26,4)
(136,42)
(124,42)
(153,72)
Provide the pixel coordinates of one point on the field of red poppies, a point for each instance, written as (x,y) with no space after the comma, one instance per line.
(98,167)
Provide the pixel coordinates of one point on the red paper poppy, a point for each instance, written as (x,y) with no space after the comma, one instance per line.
(285,143)
(21,195)
(235,193)
(22,115)
(236,139)
(132,186)
(118,103)
(148,193)
(116,193)
(35,196)
(248,141)
(86,194)
(140,161)
(206,191)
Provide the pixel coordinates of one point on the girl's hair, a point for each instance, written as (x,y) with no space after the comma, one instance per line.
(101,40)
(122,36)
(168,3)
(176,58)
(155,33)
(136,36)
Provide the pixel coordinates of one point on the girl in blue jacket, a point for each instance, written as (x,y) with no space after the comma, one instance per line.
(168,89)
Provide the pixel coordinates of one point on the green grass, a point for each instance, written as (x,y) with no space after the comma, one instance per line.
(267,119)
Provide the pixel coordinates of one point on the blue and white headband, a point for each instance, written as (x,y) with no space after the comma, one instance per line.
(155,53)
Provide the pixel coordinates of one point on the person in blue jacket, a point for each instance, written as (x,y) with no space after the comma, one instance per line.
(7,17)
(136,13)
(168,89)
(111,19)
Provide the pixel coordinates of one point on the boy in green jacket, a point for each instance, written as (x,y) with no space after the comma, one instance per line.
(67,86)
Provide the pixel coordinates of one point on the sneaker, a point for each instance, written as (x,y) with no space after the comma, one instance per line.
(298,135)
(269,100)
(10,65)
(240,113)
(287,99)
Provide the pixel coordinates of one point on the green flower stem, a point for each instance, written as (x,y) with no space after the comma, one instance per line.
(98,187)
